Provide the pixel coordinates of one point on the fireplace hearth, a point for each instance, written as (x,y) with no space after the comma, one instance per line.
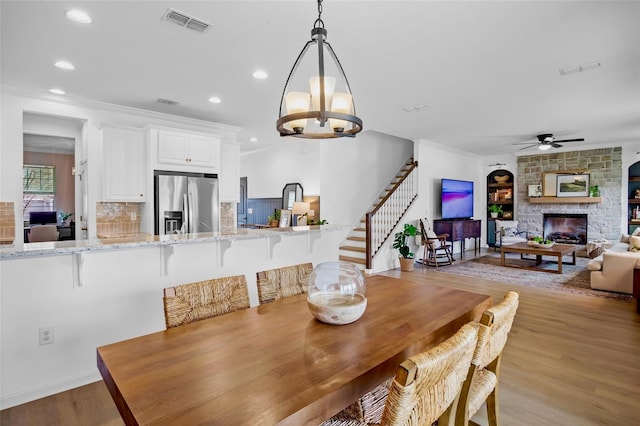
(565,228)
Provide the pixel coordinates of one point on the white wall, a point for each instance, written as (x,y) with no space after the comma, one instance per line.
(348,173)
(293,160)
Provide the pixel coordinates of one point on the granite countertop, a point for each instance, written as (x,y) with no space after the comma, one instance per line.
(115,242)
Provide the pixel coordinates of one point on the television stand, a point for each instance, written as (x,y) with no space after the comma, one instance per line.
(459,230)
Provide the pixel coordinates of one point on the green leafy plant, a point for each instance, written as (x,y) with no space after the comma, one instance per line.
(64,216)
(275,215)
(594,191)
(541,240)
(400,241)
(495,208)
(319,222)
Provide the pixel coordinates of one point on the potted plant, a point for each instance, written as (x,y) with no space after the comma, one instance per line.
(274,219)
(594,191)
(400,243)
(494,210)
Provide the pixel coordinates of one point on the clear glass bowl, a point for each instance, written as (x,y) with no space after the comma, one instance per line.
(336,293)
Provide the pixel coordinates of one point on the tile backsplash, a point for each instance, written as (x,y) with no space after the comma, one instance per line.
(7,222)
(117,219)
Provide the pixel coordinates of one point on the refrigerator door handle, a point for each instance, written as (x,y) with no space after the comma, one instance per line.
(190,214)
(186,224)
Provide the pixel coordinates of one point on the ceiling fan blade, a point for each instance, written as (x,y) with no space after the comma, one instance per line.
(523,143)
(530,146)
(556,145)
(571,140)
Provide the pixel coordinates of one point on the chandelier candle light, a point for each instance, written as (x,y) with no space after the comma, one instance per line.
(316,97)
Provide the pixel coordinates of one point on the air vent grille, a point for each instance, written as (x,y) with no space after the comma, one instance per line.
(185,20)
(167,101)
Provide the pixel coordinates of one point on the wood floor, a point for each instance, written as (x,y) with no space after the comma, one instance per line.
(570,360)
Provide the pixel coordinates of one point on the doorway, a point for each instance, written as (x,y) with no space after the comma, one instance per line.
(51,149)
(242,204)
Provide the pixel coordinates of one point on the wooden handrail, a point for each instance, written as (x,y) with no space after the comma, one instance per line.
(404,191)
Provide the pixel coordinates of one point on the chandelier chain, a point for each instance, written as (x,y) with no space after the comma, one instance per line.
(319,22)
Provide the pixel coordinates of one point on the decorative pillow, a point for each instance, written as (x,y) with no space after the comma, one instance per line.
(510,232)
(634,243)
(624,238)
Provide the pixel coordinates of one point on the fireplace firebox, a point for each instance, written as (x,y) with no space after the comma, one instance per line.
(565,228)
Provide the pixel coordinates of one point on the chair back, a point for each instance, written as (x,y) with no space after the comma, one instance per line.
(187,303)
(275,284)
(42,233)
(495,325)
(427,385)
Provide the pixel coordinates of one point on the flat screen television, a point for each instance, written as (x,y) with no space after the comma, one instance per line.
(456,199)
(42,218)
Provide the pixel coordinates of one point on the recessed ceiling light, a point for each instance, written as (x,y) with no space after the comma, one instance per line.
(260,75)
(56,91)
(64,65)
(253,139)
(78,16)
(215,100)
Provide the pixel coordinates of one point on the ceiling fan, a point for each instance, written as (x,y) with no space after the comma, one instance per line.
(546,141)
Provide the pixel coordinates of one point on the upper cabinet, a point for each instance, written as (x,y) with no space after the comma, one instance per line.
(125,164)
(229,176)
(191,152)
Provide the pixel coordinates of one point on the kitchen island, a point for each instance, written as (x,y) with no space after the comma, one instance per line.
(94,292)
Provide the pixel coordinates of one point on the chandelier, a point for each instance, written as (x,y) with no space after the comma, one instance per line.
(319,106)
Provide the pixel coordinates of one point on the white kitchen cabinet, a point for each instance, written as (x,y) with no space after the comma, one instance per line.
(125,164)
(229,176)
(190,151)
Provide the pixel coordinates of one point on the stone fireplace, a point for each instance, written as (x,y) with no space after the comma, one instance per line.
(565,228)
(605,168)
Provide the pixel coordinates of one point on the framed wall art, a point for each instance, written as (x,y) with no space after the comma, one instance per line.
(572,185)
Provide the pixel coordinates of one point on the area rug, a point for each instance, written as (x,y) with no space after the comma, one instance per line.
(574,278)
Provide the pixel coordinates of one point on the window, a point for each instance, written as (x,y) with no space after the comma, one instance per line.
(38,189)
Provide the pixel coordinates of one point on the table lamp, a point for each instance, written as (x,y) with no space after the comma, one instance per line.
(300,209)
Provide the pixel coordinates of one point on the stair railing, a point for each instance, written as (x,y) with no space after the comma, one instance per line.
(386,215)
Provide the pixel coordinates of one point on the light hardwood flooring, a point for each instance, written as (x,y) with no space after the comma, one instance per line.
(570,360)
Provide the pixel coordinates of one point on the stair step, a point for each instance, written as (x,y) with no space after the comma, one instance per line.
(360,229)
(363,239)
(353,248)
(352,260)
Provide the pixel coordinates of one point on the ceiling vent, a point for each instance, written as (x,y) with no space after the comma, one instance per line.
(185,20)
(167,101)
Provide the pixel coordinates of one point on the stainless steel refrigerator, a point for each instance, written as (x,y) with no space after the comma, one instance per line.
(186,202)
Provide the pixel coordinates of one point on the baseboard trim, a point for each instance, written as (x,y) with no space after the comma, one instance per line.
(18,398)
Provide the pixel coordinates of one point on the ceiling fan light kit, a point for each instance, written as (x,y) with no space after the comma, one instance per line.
(547,141)
(319,106)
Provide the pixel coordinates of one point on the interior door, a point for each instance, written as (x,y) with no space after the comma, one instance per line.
(242,204)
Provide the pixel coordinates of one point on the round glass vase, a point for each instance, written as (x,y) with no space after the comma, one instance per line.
(336,293)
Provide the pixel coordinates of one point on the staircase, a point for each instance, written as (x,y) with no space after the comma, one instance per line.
(364,241)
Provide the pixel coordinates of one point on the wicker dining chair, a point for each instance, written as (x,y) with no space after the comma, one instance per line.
(275,284)
(426,386)
(482,380)
(187,303)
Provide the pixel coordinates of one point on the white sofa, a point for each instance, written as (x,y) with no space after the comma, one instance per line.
(613,269)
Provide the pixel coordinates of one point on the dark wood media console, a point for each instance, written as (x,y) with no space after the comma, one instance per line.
(459,230)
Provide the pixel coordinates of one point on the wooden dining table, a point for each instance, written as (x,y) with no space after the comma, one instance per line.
(276,364)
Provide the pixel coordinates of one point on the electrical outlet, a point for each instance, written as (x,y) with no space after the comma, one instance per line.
(45,335)
(133,215)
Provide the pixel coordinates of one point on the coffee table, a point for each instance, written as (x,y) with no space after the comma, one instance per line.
(557,250)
